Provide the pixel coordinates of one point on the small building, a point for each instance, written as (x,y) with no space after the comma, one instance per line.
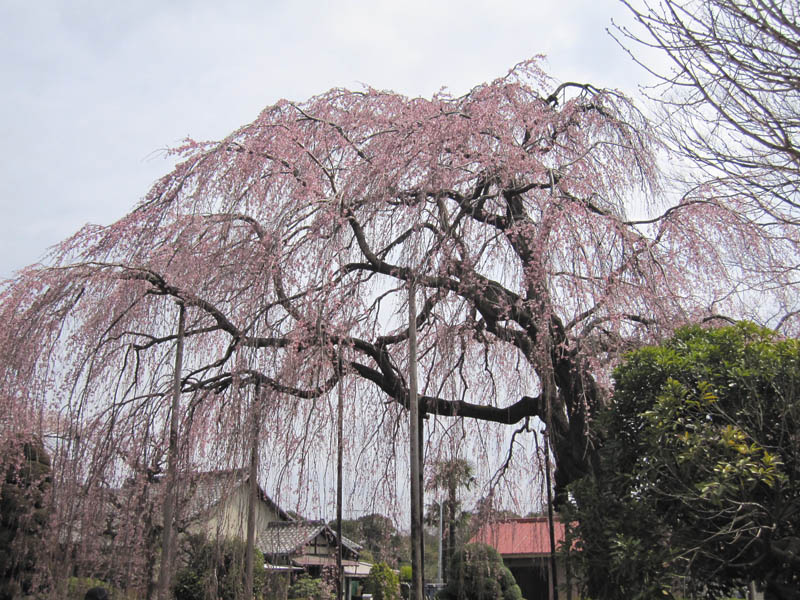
(312,546)
(216,504)
(524,545)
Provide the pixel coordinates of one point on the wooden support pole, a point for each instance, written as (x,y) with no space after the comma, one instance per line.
(414,425)
(167,543)
(553,588)
(253,492)
(421,471)
(339,486)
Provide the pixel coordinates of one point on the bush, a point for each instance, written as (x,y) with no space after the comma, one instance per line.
(305,587)
(189,585)
(382,583)
(276,585)
(699,460)
(477,572)
(217,570)
(24,481)
(78,586)
(405,573)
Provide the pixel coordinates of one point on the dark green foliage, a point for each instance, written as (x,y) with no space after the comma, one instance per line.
(97,593)
(25,469)
(382,583)
(477,572)
(78,586)
(449,476)
(305,588)
(380,541)
(697,490)
(217,571)
(189,585)
(430,538)
(379,538)
(276,585)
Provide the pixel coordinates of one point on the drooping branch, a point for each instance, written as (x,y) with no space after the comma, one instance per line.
(293,240)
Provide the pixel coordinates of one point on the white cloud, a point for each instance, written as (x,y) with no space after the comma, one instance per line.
(93,88)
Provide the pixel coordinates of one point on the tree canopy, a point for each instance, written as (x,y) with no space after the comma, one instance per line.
(382,582)
(449,475)
(526,214)
(697,489)
(214,569)
(379,537)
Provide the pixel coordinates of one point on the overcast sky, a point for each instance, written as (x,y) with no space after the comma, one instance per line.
(94,90)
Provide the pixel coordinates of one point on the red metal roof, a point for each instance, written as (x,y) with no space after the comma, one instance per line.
(520,537)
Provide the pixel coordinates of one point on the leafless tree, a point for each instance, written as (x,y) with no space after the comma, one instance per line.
(731,93)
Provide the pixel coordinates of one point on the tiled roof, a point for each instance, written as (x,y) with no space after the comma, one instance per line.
(287,537)
(281,537)
(205,490)
(520,537)
(348,543)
